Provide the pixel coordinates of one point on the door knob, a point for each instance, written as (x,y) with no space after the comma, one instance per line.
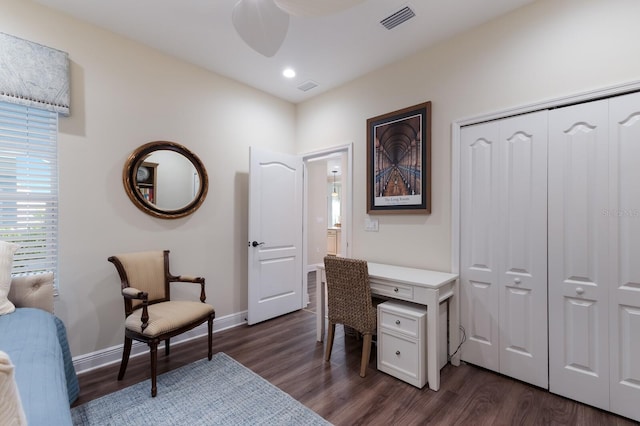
(256,244)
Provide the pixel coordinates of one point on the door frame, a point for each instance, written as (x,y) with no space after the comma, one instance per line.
(347,220)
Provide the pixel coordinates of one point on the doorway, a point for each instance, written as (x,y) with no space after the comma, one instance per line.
(327,214)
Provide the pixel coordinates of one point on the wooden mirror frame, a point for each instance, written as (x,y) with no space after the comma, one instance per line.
(135,160)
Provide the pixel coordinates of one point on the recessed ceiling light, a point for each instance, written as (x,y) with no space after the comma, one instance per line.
(289,73)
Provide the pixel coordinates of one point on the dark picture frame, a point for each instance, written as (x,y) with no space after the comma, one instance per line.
(399,161)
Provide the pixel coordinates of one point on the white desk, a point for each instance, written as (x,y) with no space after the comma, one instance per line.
(420,286)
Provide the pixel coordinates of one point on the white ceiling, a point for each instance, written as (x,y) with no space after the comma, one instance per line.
(329,50)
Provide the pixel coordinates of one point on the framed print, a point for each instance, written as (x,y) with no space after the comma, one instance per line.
(399,161)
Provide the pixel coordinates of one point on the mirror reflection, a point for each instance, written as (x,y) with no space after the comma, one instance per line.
(174,180)
(165,179)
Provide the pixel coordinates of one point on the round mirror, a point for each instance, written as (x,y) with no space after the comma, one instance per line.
(165,179)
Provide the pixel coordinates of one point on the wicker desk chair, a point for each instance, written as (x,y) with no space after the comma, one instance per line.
(349,302)
(151,315)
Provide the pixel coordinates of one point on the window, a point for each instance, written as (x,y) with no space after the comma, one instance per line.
(29,186)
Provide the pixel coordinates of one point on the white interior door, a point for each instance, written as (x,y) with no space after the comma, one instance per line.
(479,292)
(624,288)
(522,250)
(275,235)
(579,253)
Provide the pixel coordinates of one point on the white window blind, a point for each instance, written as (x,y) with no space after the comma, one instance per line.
(29,186)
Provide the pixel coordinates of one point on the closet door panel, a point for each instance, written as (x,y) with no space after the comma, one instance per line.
(478,270)
(523,248)
(578,253)
(624,216)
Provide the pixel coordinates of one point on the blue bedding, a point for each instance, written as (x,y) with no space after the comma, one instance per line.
(36,342)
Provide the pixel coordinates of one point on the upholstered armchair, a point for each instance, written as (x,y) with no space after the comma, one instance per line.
(150,314)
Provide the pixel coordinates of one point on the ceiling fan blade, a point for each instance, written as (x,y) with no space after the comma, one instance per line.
(315,7)
(261,24)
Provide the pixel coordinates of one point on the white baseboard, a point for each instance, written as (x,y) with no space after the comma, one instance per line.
(113,354)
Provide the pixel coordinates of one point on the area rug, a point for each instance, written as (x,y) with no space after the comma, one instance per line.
(217,392)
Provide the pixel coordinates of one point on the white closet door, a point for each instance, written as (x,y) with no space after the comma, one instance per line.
(479,292)
(624,291)
(579,253)
(504,247)
(522,248)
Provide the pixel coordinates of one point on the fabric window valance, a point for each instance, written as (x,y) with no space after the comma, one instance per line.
(33,75)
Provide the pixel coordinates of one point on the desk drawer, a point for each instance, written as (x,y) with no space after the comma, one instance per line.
(401,357)
(400,322)
(394,290)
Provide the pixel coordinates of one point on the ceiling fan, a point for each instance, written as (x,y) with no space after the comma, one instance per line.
(263,24)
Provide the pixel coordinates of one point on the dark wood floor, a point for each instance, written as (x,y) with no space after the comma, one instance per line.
(285,352)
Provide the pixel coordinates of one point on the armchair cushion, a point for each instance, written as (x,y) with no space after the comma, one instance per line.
(165,317)
(145,271)
(6,261)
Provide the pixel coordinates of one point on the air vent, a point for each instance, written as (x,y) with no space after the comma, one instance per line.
(307,85)
(403,15)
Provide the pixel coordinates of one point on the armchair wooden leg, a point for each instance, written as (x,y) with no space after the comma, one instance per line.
(366,354)
(153,345)
(210,331)
(330,335)
(126,351)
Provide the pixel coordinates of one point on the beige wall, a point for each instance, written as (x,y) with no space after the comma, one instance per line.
(546,50)
(124,95)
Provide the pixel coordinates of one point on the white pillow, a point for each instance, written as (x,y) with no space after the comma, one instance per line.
(10,405)
(6,261)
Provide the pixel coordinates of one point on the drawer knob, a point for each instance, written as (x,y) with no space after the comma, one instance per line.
(397,322)
(398,353)
(580,290)
(396,289)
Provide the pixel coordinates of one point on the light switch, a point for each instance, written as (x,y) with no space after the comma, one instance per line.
(371,225)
